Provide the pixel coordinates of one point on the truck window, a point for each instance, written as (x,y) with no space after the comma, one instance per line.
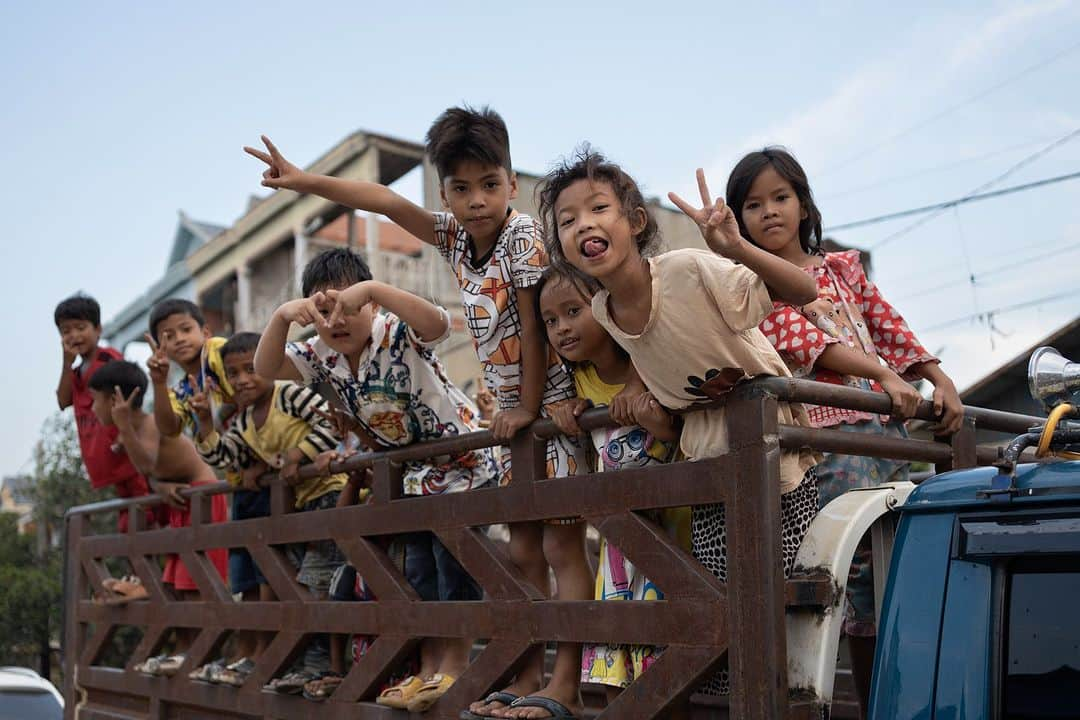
(1042,652)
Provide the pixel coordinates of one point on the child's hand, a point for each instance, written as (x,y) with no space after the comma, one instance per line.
(648,411)
(69,354)
(158,364)
(200,405)
(122,408)
(249,476)
(281,173)
(565,414)
(948,407)
(322,460)
(347,301)
(169,492)
(506,423)
(305,311)
(290,466)
(715,219)
(905,398)
(621,409)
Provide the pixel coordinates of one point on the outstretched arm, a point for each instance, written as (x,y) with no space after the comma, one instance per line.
(140,444)
(372,197)
(426,319)
(718,226)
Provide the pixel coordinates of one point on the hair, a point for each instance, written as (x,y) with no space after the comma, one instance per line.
(240,342)
(78,307)
(462,133)
(787,167)
(587,164)
(587,286)
(120,374)
(334,268)
(173,306)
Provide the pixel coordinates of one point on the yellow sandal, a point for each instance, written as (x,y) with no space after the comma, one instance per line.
(398,696)
(430,692)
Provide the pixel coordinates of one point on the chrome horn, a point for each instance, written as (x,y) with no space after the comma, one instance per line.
(1053,379)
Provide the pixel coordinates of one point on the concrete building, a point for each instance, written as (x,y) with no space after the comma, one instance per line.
(240,274)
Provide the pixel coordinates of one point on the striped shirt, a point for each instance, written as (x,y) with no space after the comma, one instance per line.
(292,422)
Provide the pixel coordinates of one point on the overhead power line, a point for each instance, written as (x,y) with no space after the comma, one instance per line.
(989,314)
(952,108)
(951,203)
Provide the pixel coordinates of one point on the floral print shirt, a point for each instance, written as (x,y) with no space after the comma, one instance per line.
(399,395)
(849,310)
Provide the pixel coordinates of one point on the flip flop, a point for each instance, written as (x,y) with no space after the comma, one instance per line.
(321,688)
(557,709)
(405,690)
(500,696)
(430,692)
(291,684)
(125,590)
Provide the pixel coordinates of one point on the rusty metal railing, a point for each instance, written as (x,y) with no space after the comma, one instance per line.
(699,621)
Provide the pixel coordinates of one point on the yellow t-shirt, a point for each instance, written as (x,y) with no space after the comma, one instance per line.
(212,376)
(292,422)
(701,337)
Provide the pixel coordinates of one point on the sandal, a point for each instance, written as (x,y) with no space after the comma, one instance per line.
(430,692)
(161,665)
(234,674)
(207,672)
(125,590)
(500,696)
(398,696)
(291,684)
(321,688)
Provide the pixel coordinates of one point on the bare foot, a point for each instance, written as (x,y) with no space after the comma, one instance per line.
(486,708)
(572,703)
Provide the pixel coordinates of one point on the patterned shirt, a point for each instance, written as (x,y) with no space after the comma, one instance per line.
(211,377)
(849,310)
(292,422)
(489,295)
(401,395)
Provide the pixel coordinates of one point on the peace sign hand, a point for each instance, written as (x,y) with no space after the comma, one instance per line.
(200,404)
(715,219)
(123,408)
(281,173)
(158,364)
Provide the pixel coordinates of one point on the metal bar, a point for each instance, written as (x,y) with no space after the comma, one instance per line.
(757,642)
(668,683)
(488,565)
(839,441)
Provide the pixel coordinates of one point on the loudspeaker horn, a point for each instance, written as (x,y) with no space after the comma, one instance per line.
(1053,379)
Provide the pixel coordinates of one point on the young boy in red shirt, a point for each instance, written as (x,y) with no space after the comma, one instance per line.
(78,318)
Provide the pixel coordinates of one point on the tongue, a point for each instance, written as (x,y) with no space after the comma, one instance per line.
(592,248)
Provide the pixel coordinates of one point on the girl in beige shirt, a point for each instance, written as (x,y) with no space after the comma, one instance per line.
(689,320)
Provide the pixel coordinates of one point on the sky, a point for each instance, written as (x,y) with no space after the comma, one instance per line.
(118,115)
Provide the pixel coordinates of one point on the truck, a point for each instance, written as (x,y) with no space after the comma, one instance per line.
(976,571)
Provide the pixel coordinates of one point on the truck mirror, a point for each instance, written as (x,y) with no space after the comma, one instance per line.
(1052,379)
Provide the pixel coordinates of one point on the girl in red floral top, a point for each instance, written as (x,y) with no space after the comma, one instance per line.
(850,336)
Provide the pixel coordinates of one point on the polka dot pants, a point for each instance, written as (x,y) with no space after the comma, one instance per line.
(709,528)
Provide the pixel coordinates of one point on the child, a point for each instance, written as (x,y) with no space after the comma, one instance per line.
(78,318)
(698,301)
(179,334)
(279,425)
(117,389)
(601,370)
(497,255)
(841,337)
(382,367)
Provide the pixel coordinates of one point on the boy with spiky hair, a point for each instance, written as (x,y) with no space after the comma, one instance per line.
(498,256)
(78,318)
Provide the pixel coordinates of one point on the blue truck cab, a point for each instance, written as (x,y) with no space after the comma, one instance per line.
(981,614)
